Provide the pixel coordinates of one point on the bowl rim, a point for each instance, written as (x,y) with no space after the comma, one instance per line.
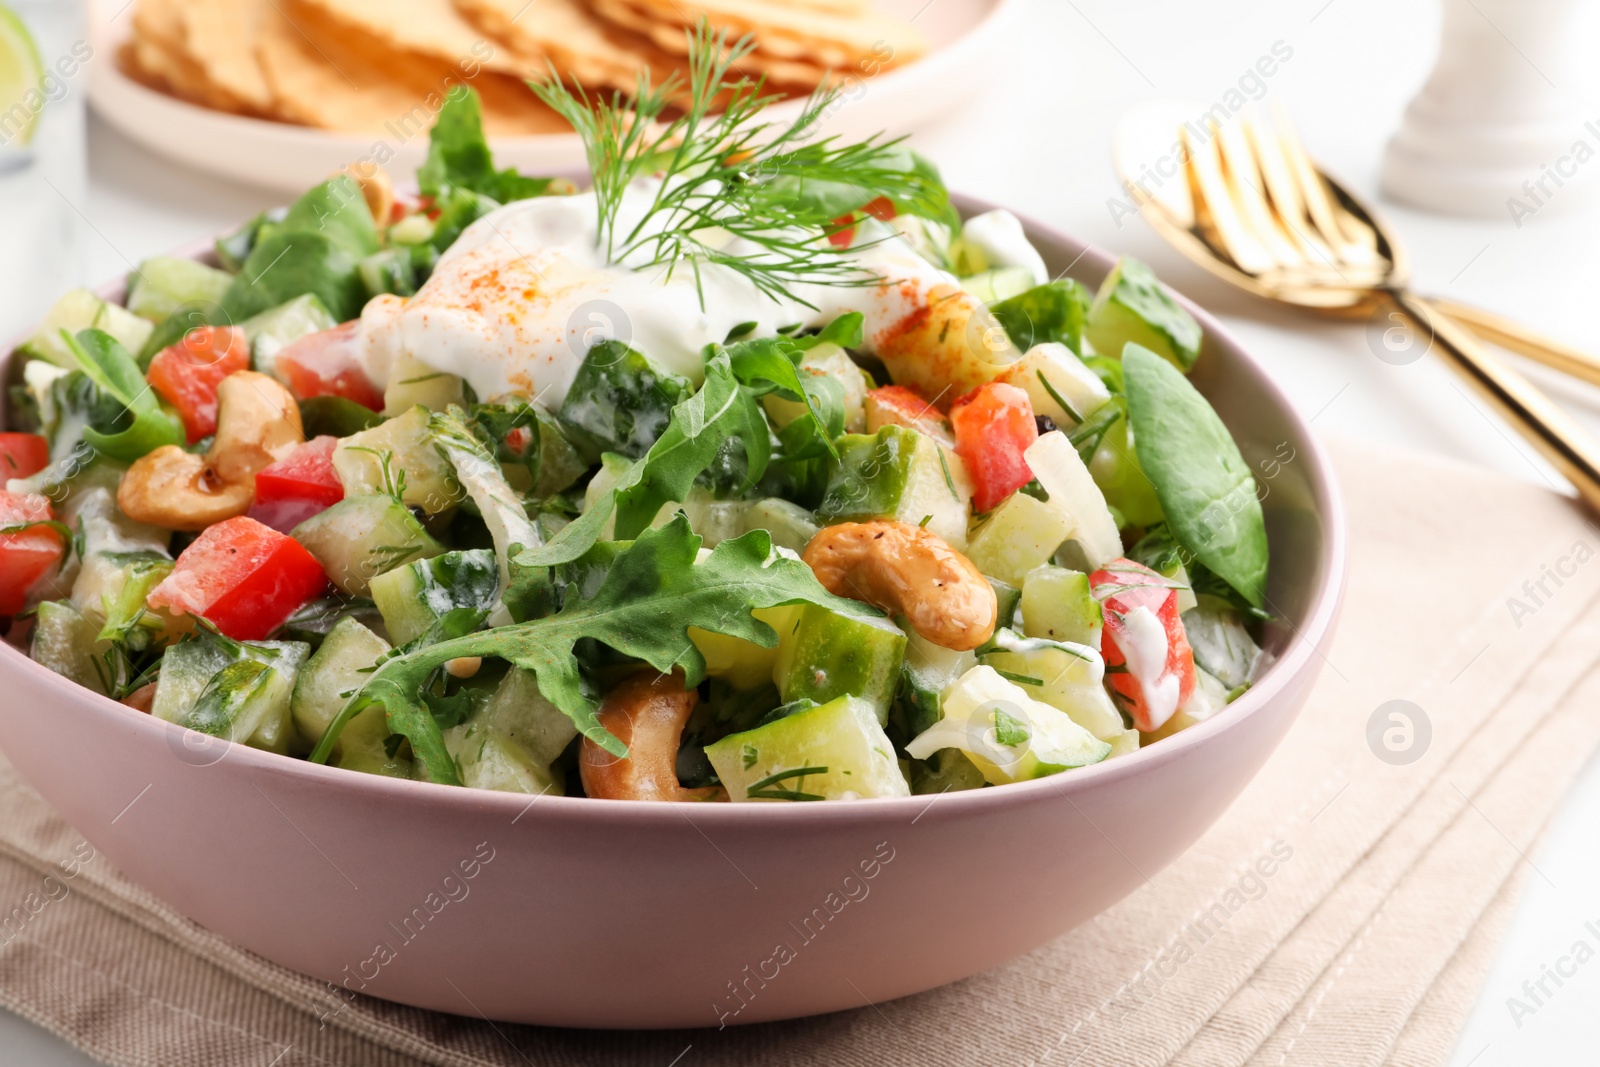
(1320,616)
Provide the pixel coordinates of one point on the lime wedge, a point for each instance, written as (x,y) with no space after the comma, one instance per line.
(21,76)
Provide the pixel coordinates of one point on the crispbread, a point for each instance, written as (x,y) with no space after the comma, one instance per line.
(429,28)
(795,31)
(789,74)
(323,78)
(580,45)
(220,37)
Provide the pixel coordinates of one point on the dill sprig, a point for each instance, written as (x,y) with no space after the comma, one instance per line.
(758,197)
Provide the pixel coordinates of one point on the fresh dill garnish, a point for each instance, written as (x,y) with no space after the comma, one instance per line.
(758,197)
(769,789)
(1020,679)
(1066,405)
(394,481)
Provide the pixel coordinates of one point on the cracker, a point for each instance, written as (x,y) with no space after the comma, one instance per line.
(333,80)
(786,74)
(580,45)
(429,28)
(794,31)
(220,36)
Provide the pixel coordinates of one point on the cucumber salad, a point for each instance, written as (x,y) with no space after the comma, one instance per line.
(750,472)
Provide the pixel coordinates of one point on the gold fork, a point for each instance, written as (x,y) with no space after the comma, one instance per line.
(1264,218)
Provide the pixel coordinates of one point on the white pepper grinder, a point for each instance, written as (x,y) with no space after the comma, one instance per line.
(1499,129)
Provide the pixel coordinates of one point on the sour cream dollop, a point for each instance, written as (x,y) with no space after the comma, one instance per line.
(515,304)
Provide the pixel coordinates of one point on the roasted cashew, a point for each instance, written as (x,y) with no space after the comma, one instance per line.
(909,571)
(258,421)
(646,712)
(376,188)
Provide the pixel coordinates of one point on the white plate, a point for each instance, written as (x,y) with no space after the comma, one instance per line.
(967,37)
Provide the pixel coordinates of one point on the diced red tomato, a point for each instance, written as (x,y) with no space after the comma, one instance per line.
(325,364)
(897,405)
(187,374)
(1150,683)
(881,208)
(26,555)
(242,577)
(994,426)
(518,440)
(22,455)
(297,486)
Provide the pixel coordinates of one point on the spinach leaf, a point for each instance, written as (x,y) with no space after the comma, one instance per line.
(1055,311)
(317,248)
(652,593)
(1205,487)
(721,411)
(142,424)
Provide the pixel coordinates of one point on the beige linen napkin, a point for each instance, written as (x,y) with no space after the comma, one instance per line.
(1344,911)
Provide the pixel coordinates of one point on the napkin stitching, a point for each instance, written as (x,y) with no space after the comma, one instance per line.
(1344,965)
(152,998)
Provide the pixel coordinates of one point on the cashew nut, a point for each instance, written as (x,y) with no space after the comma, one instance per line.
(258,422)
(376,188)
(907,570)
(647,712)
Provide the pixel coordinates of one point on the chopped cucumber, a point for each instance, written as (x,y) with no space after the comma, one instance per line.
(334,416)
(1058,384)
(620,401)
(1007,734)
(1007,598)
(1132,308)
(1123,483)
(412,382)
(927,671)
(163,284)
(948,771)
(79,310)
(232,690)
(519,711)
(898,473)
(407,444)
(714,520)
(361,537)
(837,751)
(1019,535)
(413,596)
(273,329)
(391,270)
(1220,641)
(1122,744)
(824,655)
(999,283)
(790,525)
(1068,677)
(490,760)
(67,641)
(834,362)
(744,664)
(1073,492)
(1059,605)
(339,667)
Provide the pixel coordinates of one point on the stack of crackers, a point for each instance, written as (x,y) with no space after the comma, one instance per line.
(375,65)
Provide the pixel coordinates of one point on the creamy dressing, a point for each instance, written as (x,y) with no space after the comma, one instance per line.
(514,305)
(998,236)
(1010,641)
(1143,641)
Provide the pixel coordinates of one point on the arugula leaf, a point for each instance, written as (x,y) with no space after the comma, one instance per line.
(459,156)
(772,365)
(317,248)
(142,425)
(721,411)
(652,593)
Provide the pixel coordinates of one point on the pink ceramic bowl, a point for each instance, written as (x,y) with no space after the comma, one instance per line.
(587,913)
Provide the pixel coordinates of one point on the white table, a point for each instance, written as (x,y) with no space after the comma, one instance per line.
(1036,136)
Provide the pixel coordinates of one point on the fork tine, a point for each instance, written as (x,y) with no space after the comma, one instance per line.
(1354,242)
(1244,181)
(1214,207)
(1288,206)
